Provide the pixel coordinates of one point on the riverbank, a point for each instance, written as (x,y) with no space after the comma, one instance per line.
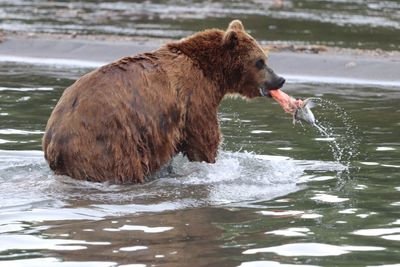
(309,64)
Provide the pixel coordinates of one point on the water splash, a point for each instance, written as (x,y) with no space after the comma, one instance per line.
(28,189)
(321,129)
(339,129)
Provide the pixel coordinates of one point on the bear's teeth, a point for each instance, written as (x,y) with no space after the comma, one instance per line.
(262,92)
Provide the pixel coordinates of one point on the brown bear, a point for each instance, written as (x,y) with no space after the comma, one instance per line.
(123,121)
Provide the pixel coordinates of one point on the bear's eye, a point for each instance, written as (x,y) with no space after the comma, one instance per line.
(260,64)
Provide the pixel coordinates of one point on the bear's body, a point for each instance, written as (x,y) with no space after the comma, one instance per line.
(123,121)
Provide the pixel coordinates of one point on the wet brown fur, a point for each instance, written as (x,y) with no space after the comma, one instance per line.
(125,120)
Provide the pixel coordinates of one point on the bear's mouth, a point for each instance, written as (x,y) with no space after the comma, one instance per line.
(265,91)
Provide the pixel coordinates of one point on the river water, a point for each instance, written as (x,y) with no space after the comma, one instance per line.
(344,23)
(279,195)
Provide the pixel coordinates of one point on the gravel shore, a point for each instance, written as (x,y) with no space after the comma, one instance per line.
(298,64)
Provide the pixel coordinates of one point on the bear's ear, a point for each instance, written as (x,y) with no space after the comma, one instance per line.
(231,39)
(236,25)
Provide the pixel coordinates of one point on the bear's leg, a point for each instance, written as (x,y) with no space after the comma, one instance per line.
(201,143)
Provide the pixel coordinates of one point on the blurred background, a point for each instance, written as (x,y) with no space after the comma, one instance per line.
(367,24)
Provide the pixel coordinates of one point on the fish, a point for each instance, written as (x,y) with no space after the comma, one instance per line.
(288,103)
(304,113)
(300,109)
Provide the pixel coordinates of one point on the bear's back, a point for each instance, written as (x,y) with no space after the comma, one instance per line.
(120,115)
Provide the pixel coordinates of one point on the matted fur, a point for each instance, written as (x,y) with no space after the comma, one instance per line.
(123,121)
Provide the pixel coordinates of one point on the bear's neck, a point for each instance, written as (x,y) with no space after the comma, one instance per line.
(206,51)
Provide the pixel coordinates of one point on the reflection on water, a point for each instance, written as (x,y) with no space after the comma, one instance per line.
(275,197)
(338,23)
(311,249)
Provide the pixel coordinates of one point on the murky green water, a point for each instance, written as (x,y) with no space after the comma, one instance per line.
(276,195)
(357,23)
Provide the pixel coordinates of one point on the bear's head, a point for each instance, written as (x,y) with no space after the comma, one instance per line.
(245,64)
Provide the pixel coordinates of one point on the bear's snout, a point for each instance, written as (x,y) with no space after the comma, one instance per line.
(279,82)
(276,82)
(272,80)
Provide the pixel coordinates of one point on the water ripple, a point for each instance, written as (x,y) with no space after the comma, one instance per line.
(311,249)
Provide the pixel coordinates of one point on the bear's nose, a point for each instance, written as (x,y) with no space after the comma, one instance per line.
(280,82)
(276,83)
